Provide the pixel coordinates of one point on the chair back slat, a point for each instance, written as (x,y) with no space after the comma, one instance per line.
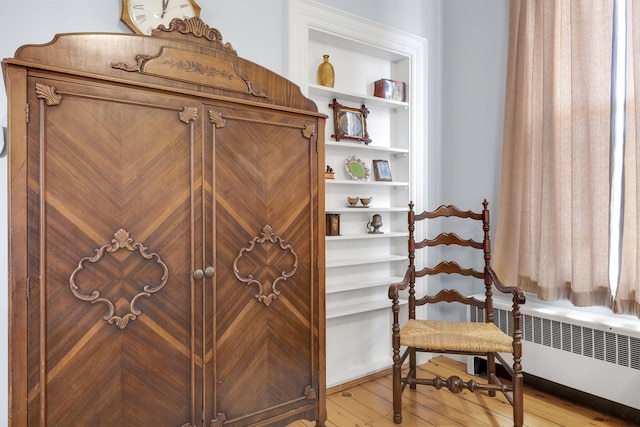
(449,267)
(449,239)
(448,211)
(451,295)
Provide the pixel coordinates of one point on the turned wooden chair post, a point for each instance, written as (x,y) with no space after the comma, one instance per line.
(397,362)
(518,376)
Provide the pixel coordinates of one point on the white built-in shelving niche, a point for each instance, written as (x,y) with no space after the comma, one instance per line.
(360,266)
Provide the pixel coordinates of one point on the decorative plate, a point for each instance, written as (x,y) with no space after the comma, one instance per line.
(357,169)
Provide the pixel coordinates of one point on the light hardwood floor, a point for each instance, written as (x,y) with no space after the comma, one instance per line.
(369,404)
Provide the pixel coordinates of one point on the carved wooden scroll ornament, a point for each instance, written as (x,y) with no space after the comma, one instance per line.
(48,94)
(188,114)
(121,241)
(249,278)
(191,67)
(309,130)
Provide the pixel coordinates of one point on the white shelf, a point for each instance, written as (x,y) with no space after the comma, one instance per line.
(346,209)
(317,90)
(337,287)
(376,183)
(366,236)
(345,262)
(363,147)
(334,311)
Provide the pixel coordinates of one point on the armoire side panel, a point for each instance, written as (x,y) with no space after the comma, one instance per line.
(110,207)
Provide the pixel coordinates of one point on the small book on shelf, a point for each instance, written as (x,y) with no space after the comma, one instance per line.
(390,89)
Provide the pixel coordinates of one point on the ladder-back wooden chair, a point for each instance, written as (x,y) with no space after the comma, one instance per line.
(466,338)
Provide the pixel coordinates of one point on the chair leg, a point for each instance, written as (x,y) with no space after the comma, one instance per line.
(397,393)
(491,369)
(412,367)
(518,397)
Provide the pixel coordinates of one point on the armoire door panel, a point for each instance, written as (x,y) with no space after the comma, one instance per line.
(264,264)
(112,209)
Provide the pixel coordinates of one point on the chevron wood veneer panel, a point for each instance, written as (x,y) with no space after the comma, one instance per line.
(270,187)
(94,182)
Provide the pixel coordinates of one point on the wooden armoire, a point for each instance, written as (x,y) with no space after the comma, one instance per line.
(166,242)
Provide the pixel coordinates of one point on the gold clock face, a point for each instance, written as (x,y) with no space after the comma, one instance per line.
(142,16)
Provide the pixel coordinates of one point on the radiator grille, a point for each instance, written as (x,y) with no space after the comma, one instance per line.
(607,346)
(634,350)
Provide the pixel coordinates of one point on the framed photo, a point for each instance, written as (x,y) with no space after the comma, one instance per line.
(382,170)
(350,123)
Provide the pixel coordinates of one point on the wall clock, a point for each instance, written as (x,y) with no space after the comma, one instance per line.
(142,16)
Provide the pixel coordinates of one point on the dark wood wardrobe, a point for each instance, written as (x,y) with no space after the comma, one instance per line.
(166,243)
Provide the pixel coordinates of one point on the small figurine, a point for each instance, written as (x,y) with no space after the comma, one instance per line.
(329,173)
(374,225)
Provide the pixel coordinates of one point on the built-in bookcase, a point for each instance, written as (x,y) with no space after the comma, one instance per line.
(360,266)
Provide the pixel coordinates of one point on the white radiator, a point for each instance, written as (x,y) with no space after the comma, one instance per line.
(587,350)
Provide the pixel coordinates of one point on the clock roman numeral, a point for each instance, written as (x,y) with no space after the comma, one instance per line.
(137,6)
(141,18)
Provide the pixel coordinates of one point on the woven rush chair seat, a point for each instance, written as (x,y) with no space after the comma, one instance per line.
(437,335)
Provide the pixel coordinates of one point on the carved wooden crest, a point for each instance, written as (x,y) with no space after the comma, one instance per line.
(196,27)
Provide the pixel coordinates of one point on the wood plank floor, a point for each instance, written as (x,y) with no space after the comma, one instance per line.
(369,404)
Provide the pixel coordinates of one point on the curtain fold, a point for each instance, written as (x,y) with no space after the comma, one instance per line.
(552,232)
(627,298)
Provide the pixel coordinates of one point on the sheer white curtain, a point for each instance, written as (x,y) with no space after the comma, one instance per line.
(553,223)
